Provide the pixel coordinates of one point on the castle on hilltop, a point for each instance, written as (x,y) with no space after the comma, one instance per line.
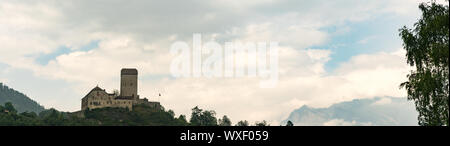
(99,98)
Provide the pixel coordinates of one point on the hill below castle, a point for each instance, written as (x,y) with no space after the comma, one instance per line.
(142,115)
(19,110)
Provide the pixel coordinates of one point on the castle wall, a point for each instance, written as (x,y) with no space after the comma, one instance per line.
(100,99)
(129,83)
(150,104)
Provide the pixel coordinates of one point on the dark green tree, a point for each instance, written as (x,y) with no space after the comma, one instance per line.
(10,108)
(209,118)
(262,123)
(29,114)
(242,123)
(53,118)
(171,113)
(203,118)
(427,48)
(196,116)
(289,123)
(225,121)
(182,118)
(142,115)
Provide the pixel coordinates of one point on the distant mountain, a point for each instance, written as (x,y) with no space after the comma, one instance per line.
(375,111)
(20,101)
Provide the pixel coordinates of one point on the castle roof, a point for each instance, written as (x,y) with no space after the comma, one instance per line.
(129,71)
(95,89)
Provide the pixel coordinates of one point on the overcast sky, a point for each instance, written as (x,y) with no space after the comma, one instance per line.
(330,51)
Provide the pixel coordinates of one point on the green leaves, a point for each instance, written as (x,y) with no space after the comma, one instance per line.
(10,108)
(289,123)
(427,48)
(141,115)
(203,118)
(242,123)
(225,121)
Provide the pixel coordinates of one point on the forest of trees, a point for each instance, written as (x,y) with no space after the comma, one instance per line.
(16,109)
(141,115)
(427,50)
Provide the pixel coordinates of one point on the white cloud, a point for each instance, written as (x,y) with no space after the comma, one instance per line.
(341,122)
(4,80)
(383,101)
(138,34)
(242,99)
(366,40)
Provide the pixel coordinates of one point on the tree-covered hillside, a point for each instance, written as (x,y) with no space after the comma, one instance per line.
(20,101)
(16,109)
(141,115)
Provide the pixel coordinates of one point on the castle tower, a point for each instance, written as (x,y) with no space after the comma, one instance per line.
(129,83)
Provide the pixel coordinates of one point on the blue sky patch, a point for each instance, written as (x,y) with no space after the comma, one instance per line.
(366,37)
(45,58)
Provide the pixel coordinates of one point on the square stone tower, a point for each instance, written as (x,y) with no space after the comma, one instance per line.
(129,83)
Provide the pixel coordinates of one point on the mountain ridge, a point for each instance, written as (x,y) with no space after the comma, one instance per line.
(372,111)
(21,102)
